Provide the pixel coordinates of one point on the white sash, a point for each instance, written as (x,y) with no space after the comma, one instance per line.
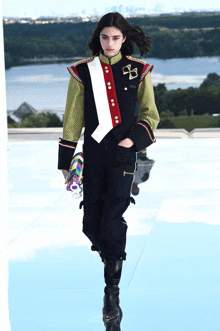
(101,100)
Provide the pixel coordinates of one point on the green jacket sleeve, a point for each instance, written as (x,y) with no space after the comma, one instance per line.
(72,124)
(142,133)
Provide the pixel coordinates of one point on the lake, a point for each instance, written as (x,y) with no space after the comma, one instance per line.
(45,86)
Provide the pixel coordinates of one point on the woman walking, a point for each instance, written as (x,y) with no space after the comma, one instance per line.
(103,91)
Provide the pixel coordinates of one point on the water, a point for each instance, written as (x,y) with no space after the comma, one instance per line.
(45,86)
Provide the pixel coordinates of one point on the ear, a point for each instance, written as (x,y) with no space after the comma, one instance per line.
(124,39)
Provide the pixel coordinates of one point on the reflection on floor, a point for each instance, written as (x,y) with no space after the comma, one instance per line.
(171,276)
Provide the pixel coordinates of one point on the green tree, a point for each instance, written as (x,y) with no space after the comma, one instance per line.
(211,80)
(34,121)
(166,123)
(183,113)
(54,120)
(166,114)
(41,120)
(159,91)
(11,122)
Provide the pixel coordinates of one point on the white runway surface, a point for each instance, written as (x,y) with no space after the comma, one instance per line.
(171,278)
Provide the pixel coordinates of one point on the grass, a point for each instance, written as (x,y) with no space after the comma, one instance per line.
(194,122)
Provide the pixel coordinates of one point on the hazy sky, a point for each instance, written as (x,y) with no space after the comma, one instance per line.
(68,7)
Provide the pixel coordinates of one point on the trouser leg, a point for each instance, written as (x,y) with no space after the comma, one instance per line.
(104,225)
(107,189)
(113,227)
(94,188)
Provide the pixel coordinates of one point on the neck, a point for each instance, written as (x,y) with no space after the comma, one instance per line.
(109,57)
(110,60)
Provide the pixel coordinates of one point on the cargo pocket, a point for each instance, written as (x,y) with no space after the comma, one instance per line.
(125,155)
(120,180)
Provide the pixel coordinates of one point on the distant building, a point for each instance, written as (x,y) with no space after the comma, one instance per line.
(23,110)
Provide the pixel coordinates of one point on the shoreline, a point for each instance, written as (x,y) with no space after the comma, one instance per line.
(54,60)
(46,60)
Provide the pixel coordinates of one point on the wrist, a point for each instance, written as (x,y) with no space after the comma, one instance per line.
(65,172)
(127,142)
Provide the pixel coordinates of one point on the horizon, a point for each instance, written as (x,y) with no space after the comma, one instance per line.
(23,8)
(100,15)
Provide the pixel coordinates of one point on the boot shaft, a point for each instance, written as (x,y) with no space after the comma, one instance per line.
(112,271)
(111,297)
(112,313)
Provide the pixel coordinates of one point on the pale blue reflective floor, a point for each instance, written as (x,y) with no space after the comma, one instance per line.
(171,278)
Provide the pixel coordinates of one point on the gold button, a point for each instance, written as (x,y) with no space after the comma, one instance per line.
(116,121)
(106,71)
(125,88)
(109,87)
(108,83)
(112,100)
(113,104)
(106,67)
(116,117)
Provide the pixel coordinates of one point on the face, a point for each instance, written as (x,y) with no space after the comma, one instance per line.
(111,40)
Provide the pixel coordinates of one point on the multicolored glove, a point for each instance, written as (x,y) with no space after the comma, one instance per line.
(74,178)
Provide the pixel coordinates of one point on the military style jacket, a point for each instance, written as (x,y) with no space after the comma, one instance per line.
(102,93)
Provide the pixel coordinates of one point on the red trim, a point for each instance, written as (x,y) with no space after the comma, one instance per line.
(148,131)
(147,68)
(111,93)
(73,71)
(73,68)
(67,146)
(109,318)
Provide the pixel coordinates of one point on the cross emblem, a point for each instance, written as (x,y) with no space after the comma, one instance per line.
(132,73)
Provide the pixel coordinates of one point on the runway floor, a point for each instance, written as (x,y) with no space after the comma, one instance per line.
(171,278)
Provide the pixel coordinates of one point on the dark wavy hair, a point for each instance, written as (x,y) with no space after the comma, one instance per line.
(133,34)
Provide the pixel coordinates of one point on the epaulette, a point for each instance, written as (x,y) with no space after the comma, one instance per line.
(135,59)
(89,59)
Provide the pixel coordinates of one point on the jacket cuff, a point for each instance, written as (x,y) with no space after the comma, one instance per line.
(142,135)
(65,154)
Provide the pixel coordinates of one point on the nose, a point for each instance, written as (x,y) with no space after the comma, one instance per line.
(109,42)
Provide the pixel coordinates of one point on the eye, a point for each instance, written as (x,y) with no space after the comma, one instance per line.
(104,37)
(116,38)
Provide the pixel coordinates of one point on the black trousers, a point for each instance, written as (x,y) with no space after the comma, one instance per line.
(107,185)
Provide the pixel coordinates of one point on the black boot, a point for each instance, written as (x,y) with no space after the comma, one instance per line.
(112,313)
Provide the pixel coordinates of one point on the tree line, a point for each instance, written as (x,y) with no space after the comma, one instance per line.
(202,100)
(62,30)
(41,120)
(183,103)
(172,37)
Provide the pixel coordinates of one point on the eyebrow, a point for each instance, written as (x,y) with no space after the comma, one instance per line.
(105,35)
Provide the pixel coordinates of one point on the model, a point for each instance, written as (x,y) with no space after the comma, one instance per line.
(102,94)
